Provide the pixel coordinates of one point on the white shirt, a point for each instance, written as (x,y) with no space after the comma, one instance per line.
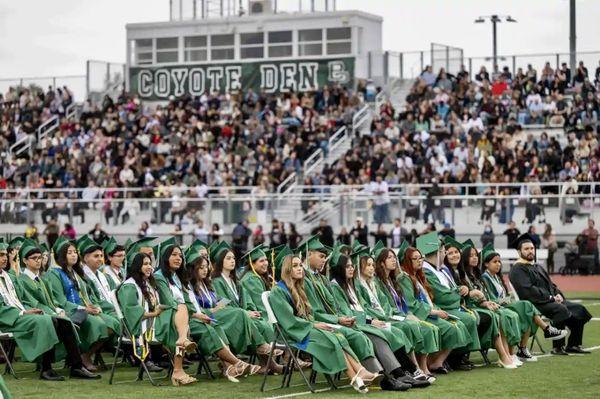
(99,280)
(441,276)
(383,197)
(33,276)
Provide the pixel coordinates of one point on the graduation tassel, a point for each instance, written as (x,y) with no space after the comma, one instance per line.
(273,267)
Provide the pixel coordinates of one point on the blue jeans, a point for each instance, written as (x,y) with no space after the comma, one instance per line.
(382,214)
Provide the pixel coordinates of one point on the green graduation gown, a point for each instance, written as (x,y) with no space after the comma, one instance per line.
(323,305)
(252,288)
(452,334)
(235,321)
(95,327)
(262,332)
(523,308)
(33,333)
(448,299)
(133,305)
(113,279)
(327,348)
(395,338)
(487,337)
(4,393)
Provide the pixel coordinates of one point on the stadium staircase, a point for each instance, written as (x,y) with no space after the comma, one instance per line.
(289,192)
(27,143)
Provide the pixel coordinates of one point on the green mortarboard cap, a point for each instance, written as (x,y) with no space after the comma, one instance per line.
(218,248)
(86,245)
(428,243)
(15,242)
(312,243)
(359,252)
(44,247)
(402,250)
(487,251)
(109,245)
(27,246)
(377,249)
(468,244)
(450,242)
(255,253)
(128,243)
(3,245)
(141,243)
(59,243)
(199,244)
(356,245)
(336,253)
(191,254)
(159,249)
(283,252)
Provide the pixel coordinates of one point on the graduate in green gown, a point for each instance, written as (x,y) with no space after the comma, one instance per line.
(389,342)
(470,275)
(226,285)
(235,321)
(498,291)
(323,304)
(453,334)
(13,256)
(330,351)
(114,256)
(33,292)
(70,293)
(446,295)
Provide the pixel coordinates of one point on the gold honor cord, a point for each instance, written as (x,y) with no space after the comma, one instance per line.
(273,267)
(47,294)
(321,294)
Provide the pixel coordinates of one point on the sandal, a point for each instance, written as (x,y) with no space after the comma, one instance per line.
(230,374)
(241,368)
(262,351)
(187,345)
(370,378)
(183,380)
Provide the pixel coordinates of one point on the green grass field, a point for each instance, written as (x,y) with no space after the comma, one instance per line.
(577,376)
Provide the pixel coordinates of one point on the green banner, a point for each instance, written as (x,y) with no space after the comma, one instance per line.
(158,83)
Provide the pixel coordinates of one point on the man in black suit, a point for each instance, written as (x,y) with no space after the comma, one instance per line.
(534,284)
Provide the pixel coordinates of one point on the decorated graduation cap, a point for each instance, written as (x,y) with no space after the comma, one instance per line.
(16,242)
(520,240)
(27,248)
(377,249)
(217,249)
(450,242)
(85,245)
(402,250)
(428,243)
(487,252)
(284,251)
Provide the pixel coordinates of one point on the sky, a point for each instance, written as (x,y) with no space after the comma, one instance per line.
(56,37)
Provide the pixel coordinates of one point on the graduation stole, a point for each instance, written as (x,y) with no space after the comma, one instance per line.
(141,343)
(398,299)
(207,297)
(42,285)
(7,290)
(71,292)
(300,345)
(98,283)
(372,295)
(316,281)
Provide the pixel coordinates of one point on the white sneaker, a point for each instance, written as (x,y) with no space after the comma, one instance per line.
(506,366)
(516,361)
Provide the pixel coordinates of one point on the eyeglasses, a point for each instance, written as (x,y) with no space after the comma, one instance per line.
(418,259)
(36,258)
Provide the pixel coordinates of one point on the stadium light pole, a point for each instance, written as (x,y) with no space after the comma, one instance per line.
(494,19)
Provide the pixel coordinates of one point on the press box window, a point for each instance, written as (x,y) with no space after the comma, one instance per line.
(339,41)
(167,49)
(195,48)
(142,51)
(310,42)
(222,47)
(252,45)
(280,44)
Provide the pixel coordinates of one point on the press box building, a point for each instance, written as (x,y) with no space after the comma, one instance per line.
(219,46)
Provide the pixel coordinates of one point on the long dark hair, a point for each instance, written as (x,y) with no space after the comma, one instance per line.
(499,274)
(456,276)
(135,272)
(266,278)
(338,273)
(382,275)
(415,275)
(218,270)
(465,270)
(166,270)
(61,261)
(193,270)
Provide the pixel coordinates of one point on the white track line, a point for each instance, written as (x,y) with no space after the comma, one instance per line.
(291,395)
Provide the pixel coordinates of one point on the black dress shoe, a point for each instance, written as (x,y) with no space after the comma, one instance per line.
(559,351)
(463,367)
(439,370)
(152,367)
(392,384)
(51,375)
(83,373)
(576,349)
(414,383)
